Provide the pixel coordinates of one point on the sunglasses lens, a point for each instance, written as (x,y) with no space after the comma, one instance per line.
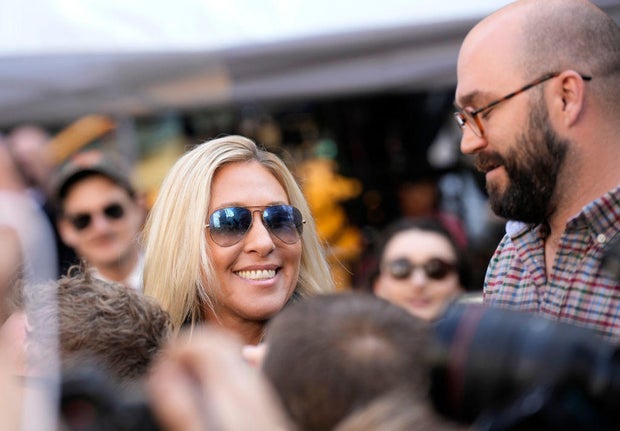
(438,269)
(435,269)
(80,221)
(285,222)
(114,211)
(228,225)
(400,268)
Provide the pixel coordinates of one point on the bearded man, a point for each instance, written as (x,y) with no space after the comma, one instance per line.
(537,100)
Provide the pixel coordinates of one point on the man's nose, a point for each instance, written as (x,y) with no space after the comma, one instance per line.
(472,143)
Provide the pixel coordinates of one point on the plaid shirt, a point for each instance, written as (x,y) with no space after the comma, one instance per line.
(578,290)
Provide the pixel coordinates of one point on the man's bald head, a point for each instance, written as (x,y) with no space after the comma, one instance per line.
(536,37)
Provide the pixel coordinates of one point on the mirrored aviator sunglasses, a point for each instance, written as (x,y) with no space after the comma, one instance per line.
(81,221)
(435,268)
(228,226)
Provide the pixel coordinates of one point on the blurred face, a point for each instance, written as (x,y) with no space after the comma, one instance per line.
(101,221)
(28,148)
(424,292)
(258,274)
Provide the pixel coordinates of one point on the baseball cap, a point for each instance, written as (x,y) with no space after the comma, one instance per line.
(88,163)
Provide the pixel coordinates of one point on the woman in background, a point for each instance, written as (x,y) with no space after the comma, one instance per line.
(230,239)
(421,268)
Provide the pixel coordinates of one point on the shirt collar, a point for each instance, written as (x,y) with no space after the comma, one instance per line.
(601,216)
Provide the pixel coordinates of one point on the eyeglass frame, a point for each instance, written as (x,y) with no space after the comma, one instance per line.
(461,115)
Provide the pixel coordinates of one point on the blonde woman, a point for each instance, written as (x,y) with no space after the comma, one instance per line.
(230,239)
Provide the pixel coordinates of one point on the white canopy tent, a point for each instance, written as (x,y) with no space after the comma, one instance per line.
(60,59)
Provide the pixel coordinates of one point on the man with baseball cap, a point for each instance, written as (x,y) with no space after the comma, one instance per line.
(100,215)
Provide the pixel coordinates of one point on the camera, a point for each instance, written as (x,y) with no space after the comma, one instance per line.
(505,370)
(90,400)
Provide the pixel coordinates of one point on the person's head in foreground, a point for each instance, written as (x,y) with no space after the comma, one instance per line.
(421,267)
(93,322)
(333,355)
(230,239)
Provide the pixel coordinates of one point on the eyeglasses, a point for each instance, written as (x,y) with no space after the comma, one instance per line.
(227,226)
(81,221)
(465,116)
(435,268)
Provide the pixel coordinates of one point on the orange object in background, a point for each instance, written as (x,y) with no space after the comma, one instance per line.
(77,135)
(324,189)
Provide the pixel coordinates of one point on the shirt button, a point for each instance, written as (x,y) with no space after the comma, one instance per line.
(601,238)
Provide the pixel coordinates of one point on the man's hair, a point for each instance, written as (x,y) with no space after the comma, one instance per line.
(331,355)
(178,271)
(560,34)
(397,411)
(106,323)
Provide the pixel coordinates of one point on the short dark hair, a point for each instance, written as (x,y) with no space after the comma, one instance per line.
(332,354)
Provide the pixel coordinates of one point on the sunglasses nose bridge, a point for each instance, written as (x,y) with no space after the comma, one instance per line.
(418,276)
(97,221)
(262,227)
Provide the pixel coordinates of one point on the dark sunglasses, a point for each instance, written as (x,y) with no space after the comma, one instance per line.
(81,221)
(435,268)
(227,226)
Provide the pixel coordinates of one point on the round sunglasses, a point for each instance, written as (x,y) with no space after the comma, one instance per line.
(81,221)
(435,268)
(228,226)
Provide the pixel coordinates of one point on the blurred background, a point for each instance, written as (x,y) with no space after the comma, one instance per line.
(355,95)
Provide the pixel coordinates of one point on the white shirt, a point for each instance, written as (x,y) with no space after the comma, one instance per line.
(133,280)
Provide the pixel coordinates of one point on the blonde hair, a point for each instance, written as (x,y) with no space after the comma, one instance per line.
(178,271)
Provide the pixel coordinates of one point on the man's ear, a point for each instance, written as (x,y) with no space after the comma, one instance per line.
(571,87)
(67,232)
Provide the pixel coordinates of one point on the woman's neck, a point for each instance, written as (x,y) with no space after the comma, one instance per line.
(250,331)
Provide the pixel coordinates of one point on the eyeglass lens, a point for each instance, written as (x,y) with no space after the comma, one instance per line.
(465,118)
(434,268)
(81,221)
(227,226)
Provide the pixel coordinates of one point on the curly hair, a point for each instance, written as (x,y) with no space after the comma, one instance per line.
(117,328)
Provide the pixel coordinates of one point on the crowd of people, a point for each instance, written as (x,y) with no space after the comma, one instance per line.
(216,308)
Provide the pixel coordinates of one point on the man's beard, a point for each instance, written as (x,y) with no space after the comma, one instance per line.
(532,166)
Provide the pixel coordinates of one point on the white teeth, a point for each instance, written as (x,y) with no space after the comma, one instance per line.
(263,274)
